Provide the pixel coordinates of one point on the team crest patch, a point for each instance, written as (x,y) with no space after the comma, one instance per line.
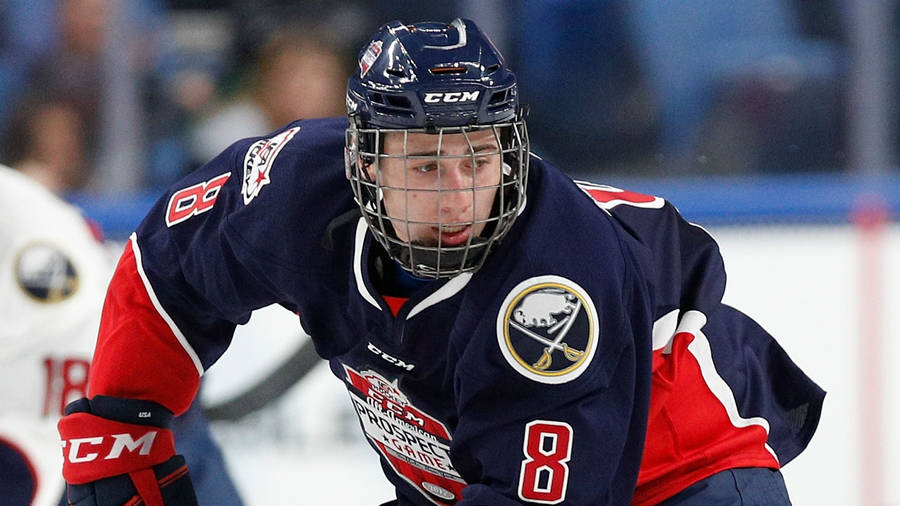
(547,329)
(45,273)
(259,160)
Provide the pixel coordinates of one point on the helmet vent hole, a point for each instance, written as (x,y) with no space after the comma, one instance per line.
(498,97)
(448,70)
(398,101)
(390,100)
(395,72)
(493,68)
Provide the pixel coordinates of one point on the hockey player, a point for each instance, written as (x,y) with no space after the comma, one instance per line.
(54,274)
(506,335)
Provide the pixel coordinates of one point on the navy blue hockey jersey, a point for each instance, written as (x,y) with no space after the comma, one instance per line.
(589,361)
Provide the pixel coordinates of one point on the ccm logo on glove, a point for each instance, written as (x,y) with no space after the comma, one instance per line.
(94,447)
(120,442)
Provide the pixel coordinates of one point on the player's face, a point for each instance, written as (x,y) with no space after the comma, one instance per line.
(439,198)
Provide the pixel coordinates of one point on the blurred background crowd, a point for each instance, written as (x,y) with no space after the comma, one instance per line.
(112,96)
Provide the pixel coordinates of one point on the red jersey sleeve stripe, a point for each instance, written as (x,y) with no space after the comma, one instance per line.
(141,353)
(162,312)
(693,322)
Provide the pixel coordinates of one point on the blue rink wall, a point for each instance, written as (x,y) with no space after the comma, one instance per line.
(794,260)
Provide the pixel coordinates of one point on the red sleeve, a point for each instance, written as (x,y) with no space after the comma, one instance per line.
(140,352)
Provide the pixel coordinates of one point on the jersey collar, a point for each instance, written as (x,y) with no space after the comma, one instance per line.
(364,286)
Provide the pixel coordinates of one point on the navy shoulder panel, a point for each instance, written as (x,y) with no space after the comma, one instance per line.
(295,191)
(245,230)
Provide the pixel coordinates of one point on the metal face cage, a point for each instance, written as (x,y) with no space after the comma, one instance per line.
(431,208)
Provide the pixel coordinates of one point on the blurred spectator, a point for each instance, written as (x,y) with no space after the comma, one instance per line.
(46,140)
(299,73)
(24,35)
(114,61)
(72,67)
(580,79)
(738,85)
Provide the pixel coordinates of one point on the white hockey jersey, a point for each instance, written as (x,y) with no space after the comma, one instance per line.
(53,276)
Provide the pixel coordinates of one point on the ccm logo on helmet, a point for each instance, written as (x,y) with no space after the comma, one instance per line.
(120,442)
(451,97)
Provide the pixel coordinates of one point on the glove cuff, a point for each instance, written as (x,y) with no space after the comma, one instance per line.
(96,448)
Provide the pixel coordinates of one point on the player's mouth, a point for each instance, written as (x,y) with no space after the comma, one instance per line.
(453,235)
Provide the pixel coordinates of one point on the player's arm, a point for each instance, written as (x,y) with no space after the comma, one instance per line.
(687,271)
(178,291)
(709,360)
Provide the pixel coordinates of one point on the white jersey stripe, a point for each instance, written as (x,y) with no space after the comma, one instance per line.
(664,329)
(361,229)
(443,293)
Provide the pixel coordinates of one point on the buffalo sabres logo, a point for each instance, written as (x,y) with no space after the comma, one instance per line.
(45,273)
(547,329)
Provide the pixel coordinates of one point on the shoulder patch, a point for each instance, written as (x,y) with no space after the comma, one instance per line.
(547,329)
(45,273)
(259,160)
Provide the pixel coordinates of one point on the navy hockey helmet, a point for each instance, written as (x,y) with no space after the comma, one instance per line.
(446,80)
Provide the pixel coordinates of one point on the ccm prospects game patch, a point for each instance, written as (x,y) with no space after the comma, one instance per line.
(259,160)
(547,329)
(415,444)
(45,273)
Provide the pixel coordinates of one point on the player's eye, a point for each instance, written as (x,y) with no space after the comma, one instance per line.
(477,163)
(426,168)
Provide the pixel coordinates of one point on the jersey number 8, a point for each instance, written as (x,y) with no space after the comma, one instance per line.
(545,475)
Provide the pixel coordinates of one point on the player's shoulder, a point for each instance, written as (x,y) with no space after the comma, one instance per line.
(268,173)
(58,269)
(295,174)
(275,192)
(303,155)
(294,150)
(31,209)
(307,137)
(573,216)
(638,216)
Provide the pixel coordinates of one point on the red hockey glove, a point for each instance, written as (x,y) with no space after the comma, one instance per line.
(116,451)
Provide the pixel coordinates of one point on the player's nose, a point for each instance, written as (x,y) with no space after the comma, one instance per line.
(456,192)
(456,175)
